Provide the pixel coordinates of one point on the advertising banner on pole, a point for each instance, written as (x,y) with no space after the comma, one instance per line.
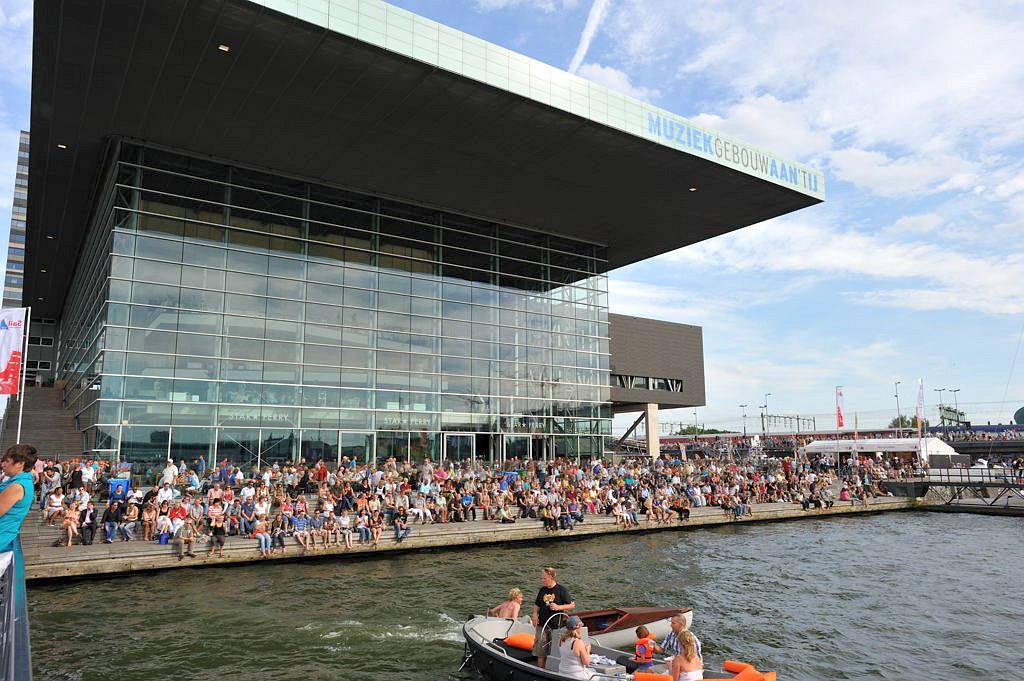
(840,422)
(12,342)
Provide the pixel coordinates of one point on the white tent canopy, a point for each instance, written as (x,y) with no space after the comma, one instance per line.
(924,448)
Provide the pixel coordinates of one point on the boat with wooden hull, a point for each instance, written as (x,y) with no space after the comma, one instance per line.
(616,627)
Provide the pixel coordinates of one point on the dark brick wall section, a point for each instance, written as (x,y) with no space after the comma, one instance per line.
(650,347)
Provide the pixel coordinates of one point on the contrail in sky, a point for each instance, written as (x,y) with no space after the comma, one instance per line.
(593,22)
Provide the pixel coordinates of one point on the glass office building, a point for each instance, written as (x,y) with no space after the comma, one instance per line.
(221,312)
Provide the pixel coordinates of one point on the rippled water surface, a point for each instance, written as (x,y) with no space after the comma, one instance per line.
(896,596)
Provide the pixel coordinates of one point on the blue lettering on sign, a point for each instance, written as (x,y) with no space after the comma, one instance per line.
(682,135)
(3,325)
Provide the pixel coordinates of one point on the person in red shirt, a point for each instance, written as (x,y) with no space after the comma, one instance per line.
(177,514)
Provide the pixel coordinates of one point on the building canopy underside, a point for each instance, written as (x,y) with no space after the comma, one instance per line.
(299,99)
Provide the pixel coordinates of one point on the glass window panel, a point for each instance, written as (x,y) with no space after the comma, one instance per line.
(247,262)
(356,337)
(323,314)
(244,326)
(195,231)
(154,294)
(238,348)
(388,321)
(282,330)
(154,317)
(279,351)
(323,354)
(323,293)
(196,367)
(246,283)
(355,297)
(284,309)
(330,274)
(160,365)
(315,375)
(199,299)
(158,249)
(248,305)
(207,256)
(287,288)
(316,333)
(199,322)
(238,370)
(194,344)
(152,341)
(202,277)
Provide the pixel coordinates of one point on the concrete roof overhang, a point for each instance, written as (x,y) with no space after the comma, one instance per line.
(302,99)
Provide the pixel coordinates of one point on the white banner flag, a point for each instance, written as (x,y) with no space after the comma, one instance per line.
(12,339)
(919,412)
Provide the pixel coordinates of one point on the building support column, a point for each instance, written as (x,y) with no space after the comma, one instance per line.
(653,430)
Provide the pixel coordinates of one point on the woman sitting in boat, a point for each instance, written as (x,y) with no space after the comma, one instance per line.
(574,653)
(687,665)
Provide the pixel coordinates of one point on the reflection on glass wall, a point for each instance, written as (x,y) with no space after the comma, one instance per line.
(229,314)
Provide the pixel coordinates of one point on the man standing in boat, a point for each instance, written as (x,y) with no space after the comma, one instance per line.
(552,598)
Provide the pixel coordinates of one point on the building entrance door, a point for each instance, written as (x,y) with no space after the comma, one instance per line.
(458,446)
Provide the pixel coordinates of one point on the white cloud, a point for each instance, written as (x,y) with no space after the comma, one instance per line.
(765,121)
(906,175)
(916,224)
(594,19)
(616,80)
(911,97)
(941,278)
(542,5)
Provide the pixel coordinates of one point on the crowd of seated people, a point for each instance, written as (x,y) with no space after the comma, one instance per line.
(317,506)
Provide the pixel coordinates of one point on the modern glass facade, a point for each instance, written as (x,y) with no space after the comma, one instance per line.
(221,312)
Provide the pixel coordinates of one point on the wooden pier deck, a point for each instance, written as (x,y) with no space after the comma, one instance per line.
(43,561)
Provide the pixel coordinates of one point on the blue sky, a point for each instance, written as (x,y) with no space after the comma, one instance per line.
(913,268)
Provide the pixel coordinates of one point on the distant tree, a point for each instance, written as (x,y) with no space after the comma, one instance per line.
(690,430)
(906,423)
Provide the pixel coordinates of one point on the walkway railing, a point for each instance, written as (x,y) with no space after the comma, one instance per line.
(15,655)
(985,485)
(976,476)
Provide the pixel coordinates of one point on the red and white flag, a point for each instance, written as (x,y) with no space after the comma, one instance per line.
(839,406)
(919,411)
(12,339)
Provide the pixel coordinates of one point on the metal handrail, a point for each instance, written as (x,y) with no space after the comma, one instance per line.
(15,656)
(1004,476)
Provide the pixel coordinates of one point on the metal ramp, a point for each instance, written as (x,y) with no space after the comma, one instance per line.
(986,485)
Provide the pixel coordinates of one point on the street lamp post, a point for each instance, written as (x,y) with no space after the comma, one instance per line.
(956,407)
(899,417)
(766,396)
(744,408)
(942,416)
(695,426)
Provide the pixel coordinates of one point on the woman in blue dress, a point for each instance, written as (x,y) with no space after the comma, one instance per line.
(15,492)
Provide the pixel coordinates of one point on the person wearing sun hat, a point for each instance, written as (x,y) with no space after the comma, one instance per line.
(573,651)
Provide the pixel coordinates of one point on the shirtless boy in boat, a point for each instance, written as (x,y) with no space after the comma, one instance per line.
(508,609)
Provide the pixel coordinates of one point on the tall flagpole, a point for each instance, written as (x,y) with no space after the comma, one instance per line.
(24,368)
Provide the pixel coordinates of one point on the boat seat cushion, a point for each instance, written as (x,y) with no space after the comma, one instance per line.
(515,653)
(522,640)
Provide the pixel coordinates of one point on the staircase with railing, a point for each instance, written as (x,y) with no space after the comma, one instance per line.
(45,425)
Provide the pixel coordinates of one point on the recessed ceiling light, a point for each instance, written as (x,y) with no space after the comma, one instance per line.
(224,48)
(693,189)
(50,236)
(62,146)
(43,271)
(39,298)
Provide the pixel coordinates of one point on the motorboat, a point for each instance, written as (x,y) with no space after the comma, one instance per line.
(499,650)
(616,627)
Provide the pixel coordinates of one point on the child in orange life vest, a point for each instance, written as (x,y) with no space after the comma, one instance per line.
(646,646)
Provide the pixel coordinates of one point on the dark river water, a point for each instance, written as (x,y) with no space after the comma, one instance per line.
(898,596)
